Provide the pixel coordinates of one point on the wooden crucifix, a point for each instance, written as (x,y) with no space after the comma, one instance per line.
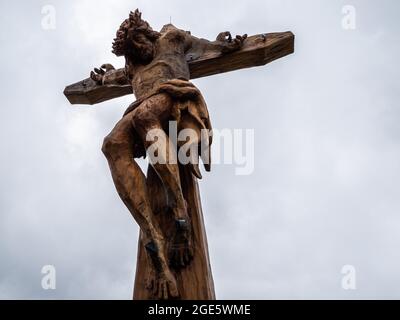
(173,260)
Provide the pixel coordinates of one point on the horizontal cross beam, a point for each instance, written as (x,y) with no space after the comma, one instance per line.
(257,50)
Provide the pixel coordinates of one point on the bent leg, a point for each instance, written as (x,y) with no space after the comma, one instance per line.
(130,183)
(148,120)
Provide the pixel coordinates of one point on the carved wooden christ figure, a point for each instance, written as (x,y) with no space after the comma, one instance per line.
(173,257)
(156,67)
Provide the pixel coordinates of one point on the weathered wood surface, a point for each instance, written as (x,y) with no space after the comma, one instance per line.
(173,260)
(195,281)
(257,50)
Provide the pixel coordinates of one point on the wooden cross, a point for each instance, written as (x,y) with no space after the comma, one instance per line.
(257,50)
(195,281)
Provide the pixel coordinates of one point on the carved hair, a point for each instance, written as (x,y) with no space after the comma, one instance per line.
(125,45)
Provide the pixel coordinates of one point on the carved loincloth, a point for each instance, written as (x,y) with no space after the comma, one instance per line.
(189,107)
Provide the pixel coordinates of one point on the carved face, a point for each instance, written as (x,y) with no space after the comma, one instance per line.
(135,40)
(143,48)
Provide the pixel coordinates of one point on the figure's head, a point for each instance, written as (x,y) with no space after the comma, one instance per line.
(135,39)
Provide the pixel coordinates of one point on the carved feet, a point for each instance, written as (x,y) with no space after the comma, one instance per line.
(162,285)
(160,282)
(181,249)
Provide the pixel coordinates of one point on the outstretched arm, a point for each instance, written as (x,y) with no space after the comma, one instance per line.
(224,43)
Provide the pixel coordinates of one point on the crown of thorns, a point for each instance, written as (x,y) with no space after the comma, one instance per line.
(134,24)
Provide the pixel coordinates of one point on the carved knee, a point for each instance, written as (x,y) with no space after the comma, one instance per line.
(106,147)
(110,146)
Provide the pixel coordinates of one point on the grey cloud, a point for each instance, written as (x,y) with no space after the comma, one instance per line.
(325,191)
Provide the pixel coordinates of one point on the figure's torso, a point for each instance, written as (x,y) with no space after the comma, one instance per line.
(169,62)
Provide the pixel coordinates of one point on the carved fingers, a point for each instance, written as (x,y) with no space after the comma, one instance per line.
(107,67)
(239,40)
(234,44)
(98,73)
(96,77)
(224,36)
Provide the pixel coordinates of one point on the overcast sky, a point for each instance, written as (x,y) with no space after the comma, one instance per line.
(325,190)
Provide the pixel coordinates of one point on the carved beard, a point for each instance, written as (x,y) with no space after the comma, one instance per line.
(142,53)
(145,53)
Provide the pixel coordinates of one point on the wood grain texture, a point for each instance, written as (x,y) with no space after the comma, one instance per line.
(257,50)
(173,260)
(195,281)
